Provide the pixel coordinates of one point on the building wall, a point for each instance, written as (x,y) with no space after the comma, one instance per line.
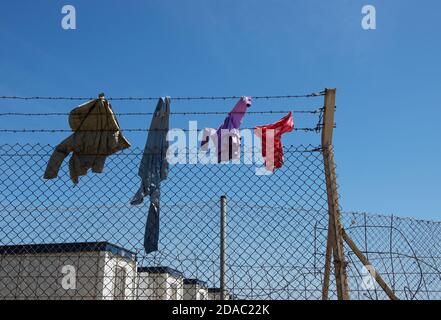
(159,286)
(108,272)
(175,288)
(195,292)
(216,296)
(40,276)
(145,285)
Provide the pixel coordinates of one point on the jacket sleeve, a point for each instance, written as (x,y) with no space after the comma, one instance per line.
(57,158)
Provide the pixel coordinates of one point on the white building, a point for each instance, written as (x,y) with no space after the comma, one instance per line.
(92,271)
(98,270)
(160,283)
(195,289)
(215,294)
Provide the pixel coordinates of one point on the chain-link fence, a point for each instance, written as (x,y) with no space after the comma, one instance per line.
(406,252)
(58,241)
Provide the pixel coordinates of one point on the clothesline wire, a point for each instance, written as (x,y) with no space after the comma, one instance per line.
(310,95)
(31,114)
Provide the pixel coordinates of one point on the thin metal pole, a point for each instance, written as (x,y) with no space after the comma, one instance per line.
(223,212)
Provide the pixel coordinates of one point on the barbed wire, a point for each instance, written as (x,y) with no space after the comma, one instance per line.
(310,95)
(31,114)
(316,129)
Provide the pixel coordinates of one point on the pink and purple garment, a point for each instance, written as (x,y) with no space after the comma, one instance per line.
(227,137)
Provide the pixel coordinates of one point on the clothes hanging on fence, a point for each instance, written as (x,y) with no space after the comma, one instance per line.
(271,136)
(154,169)
(227,137)
(96,136)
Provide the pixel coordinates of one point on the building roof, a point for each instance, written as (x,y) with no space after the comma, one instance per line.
(195,281)
(67,248)
(161,270)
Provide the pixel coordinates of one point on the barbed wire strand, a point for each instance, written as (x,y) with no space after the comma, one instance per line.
(310,95)
(125,130)
(31,114)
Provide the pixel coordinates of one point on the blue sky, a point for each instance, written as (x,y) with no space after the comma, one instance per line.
(387,137)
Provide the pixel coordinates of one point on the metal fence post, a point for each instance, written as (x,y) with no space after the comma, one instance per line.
(335,238)
(223,212)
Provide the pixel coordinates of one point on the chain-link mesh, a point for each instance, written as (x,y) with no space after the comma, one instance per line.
(58,241)
(405,252)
